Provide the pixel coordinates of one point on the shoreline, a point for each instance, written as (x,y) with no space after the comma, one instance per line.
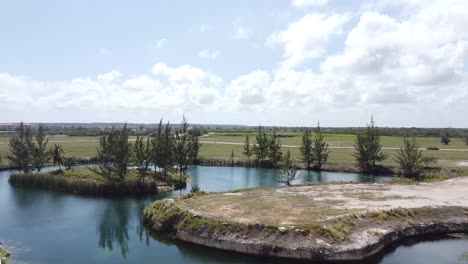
(353,234)
(71,181)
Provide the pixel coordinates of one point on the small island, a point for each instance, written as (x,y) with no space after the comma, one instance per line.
(321,222)
(86,181)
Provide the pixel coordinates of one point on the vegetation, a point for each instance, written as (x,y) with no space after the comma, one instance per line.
(21,147)
(4,255)
(320,150)
(40,152)
(444,139)
(56,154)
(410,159)
(288,170)
(142,156)
(368,148)
(247,150)
(84,180)
(260,148)
(306,148)
(274,149)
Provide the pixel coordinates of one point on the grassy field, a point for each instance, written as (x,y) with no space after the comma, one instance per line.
(220,145)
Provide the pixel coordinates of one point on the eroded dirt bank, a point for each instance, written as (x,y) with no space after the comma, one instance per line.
(318,222)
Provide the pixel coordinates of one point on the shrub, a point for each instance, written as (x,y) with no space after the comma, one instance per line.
(432,148)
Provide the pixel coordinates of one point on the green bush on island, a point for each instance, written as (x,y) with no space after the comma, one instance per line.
(84,180)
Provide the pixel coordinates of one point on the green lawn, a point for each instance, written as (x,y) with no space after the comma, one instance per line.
(87,147)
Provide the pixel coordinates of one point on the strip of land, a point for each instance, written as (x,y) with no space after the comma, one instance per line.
(326,222)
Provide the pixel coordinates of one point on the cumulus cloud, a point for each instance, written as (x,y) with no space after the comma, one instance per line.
(308,37)
(209,55)
(410,65)
(307,3)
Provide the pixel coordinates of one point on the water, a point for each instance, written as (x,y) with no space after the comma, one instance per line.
(43,227)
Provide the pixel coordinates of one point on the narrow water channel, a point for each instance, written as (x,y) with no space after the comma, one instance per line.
(43,227)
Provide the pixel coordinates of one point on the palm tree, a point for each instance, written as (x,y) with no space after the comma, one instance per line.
(56,154)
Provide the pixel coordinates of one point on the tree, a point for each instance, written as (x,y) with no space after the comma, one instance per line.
(40,152)
(247,150)
(70,162)
(182,147)
(113,154)
(410,158)
(21,148)
(320,150)
(444,139)
(288,170)
(306,148)
(56,154)
(142,155)
(368,148)
(260,148)
(194,144)
(274,149)
(232,157)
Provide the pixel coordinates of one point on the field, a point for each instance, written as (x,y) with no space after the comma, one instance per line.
(221,145)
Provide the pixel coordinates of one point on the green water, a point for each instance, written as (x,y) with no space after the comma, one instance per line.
(42,227)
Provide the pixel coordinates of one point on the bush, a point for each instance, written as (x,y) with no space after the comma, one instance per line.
(432,148)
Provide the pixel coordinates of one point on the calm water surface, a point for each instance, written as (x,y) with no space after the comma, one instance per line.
(42,227)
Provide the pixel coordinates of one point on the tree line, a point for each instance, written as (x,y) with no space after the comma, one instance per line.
(163,150)
(314,152)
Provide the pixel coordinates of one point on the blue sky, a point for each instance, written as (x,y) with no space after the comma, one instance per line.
(246,62)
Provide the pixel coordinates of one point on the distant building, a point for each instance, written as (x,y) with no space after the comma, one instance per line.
(6,127)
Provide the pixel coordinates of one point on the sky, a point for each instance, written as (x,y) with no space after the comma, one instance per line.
(281,62)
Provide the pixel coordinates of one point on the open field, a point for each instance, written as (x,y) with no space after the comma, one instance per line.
(300,206)
(220,145)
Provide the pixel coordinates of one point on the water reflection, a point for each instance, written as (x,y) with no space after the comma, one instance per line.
(113,227)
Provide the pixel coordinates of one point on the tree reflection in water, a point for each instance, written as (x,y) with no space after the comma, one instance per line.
(113,227)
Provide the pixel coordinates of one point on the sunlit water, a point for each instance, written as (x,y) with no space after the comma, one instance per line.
(43,227)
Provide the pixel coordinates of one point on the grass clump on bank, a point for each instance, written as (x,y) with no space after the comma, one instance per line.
(84,180)
(4,255)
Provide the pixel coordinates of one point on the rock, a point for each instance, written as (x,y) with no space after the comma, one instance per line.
(282,229)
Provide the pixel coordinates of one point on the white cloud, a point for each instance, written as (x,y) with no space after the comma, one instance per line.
(308,37)
(161,43)
(206,54)
(242,33)
(249,89)
(307,3)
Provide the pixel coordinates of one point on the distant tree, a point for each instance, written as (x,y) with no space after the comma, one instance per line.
(194,144)
(320,150)
(368,148)
(21,148)
(260,148)
(444,139)
(410,158)
(247,150)
(142,156)
(69,162)
(274,149)
(288,170)
(306,148)
(40,152)
(56,154)
(232,157)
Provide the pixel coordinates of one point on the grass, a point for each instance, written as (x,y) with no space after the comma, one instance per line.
(87,147)
(83,180)
(4,255)
(247,212)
